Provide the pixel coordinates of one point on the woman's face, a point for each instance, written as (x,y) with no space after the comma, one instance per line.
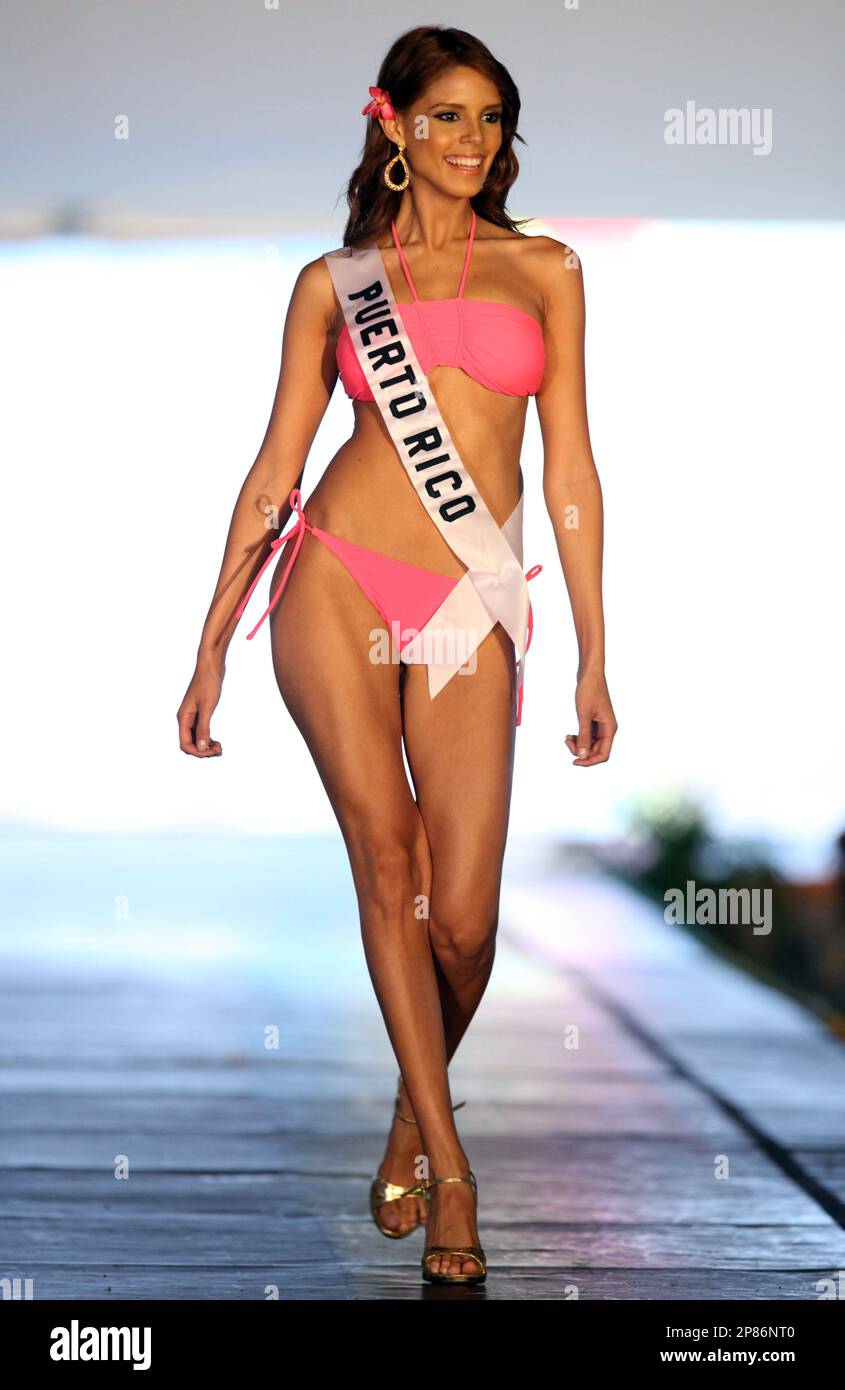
(452,132)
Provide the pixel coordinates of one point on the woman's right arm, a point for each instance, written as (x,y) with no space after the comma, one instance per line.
(307,377)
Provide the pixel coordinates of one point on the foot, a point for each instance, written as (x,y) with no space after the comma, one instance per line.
(398,1166)
(452,1221)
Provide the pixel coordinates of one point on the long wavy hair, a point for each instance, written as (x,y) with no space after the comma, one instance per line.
(413,61)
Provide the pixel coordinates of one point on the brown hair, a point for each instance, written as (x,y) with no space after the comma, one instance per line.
(413,61)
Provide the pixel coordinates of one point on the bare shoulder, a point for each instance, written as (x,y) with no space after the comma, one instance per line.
(556,268)
(313,293)
(552,267)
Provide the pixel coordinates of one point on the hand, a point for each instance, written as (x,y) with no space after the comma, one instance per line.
(596,721)
(194,713)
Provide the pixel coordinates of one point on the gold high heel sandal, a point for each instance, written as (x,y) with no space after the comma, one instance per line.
(382,1191)
(473,1252)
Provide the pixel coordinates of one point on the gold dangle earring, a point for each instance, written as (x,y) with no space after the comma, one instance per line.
(399,156)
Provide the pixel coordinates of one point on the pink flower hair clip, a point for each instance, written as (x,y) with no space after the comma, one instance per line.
(381,105)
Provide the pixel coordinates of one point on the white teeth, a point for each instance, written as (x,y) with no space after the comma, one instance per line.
(464,163)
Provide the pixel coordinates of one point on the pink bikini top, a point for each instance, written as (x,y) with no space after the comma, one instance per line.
(497,344)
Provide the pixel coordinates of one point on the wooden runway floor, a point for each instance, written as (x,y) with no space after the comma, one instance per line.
(644,1121)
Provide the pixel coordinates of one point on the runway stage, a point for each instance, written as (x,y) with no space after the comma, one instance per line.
(644,1121)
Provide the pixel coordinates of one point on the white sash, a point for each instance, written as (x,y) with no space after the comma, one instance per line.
(494,589)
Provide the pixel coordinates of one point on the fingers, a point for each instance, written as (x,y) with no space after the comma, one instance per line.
(579,749)
(582,744)
(584,741)
(589,748)
(195,731)
(205,743)
(599,752)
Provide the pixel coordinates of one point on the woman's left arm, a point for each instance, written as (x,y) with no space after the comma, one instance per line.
(572,493)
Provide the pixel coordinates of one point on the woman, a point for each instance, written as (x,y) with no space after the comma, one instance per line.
(488,317)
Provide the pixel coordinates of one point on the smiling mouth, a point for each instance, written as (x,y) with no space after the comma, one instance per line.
(465,164)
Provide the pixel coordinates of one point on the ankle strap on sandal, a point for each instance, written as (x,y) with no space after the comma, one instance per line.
(471,1180)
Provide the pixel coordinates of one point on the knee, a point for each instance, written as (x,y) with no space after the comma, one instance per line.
(392,870)
(464,925)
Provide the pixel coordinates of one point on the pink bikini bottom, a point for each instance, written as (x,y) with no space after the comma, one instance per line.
(403,594)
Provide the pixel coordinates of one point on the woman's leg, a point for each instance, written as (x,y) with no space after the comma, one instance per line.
(460,749)
(350,715)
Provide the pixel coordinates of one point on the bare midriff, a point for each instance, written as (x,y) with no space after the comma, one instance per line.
(365,495)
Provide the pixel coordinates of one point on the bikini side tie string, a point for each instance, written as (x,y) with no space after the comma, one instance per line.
(298,529)
(532,574)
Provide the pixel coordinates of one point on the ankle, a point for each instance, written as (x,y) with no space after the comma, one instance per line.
(448,1163)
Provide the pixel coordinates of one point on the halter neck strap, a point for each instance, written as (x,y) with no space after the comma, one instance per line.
(468,255)
(407,271)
